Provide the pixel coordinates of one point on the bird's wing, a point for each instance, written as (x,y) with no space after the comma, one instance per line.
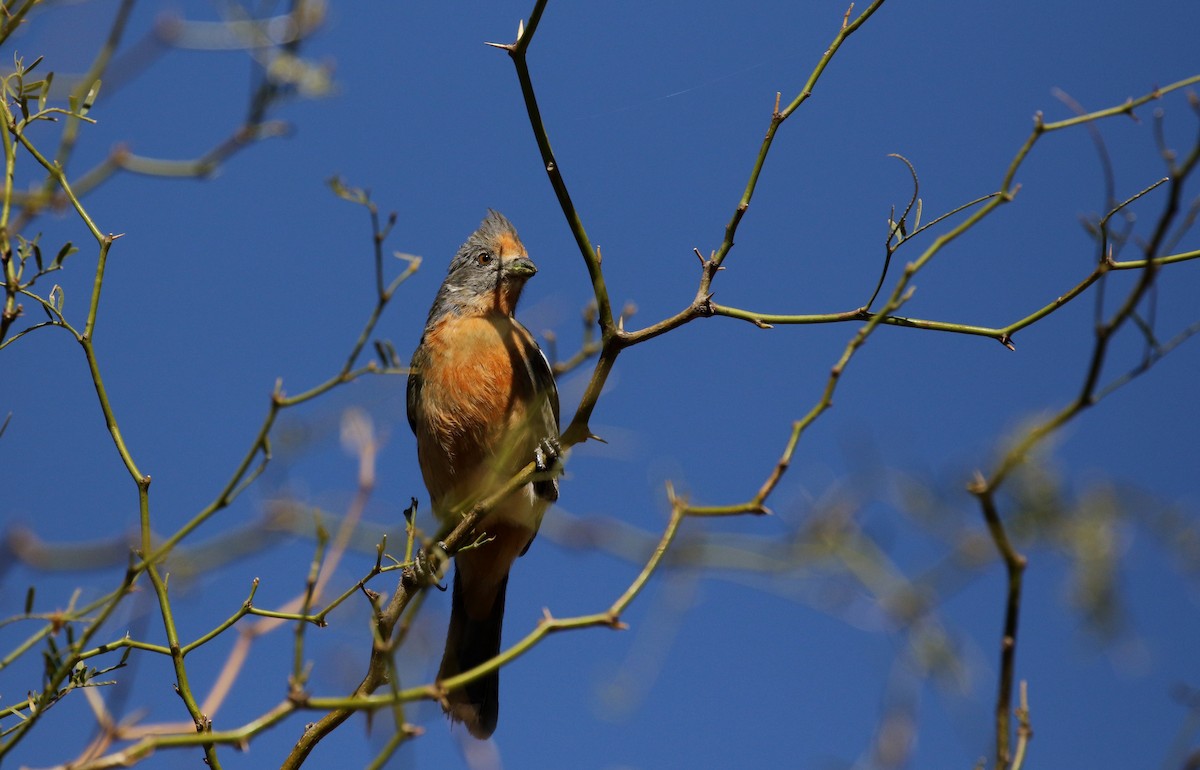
(414,393)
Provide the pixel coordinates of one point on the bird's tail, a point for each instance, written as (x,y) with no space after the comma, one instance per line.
(470,642)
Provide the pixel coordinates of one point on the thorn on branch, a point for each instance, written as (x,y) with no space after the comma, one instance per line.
(1025,727)
(1128,106)
(441,695)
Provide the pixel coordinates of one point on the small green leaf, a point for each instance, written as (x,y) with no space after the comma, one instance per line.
(90,99)
(352,194)
(387,354)
(45,94)
(67,250)
(30,593)
(27,248)
(57,300)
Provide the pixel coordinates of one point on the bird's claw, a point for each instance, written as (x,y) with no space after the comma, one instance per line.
(547,458)
(547,454)
(428,566)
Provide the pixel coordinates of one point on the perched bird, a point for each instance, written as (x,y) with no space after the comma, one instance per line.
(483,404)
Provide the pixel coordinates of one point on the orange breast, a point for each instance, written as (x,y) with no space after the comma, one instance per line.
(473,428)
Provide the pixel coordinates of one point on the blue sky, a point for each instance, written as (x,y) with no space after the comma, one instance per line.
(655,112)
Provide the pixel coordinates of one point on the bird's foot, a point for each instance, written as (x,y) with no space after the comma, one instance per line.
(548,460)
(548,455)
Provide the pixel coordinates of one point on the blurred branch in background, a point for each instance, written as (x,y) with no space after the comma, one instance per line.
(273,42)
(29,104)
(615,339)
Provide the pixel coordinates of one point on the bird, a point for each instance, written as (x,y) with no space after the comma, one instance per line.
(482,403)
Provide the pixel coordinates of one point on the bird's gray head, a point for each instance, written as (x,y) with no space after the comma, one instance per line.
(488,272)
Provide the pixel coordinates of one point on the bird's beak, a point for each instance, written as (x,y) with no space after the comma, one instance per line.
(519,267)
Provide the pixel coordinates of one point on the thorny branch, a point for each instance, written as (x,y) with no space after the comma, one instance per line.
(614,338)
(422,566)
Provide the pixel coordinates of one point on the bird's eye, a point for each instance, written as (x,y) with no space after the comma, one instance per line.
(484,259)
